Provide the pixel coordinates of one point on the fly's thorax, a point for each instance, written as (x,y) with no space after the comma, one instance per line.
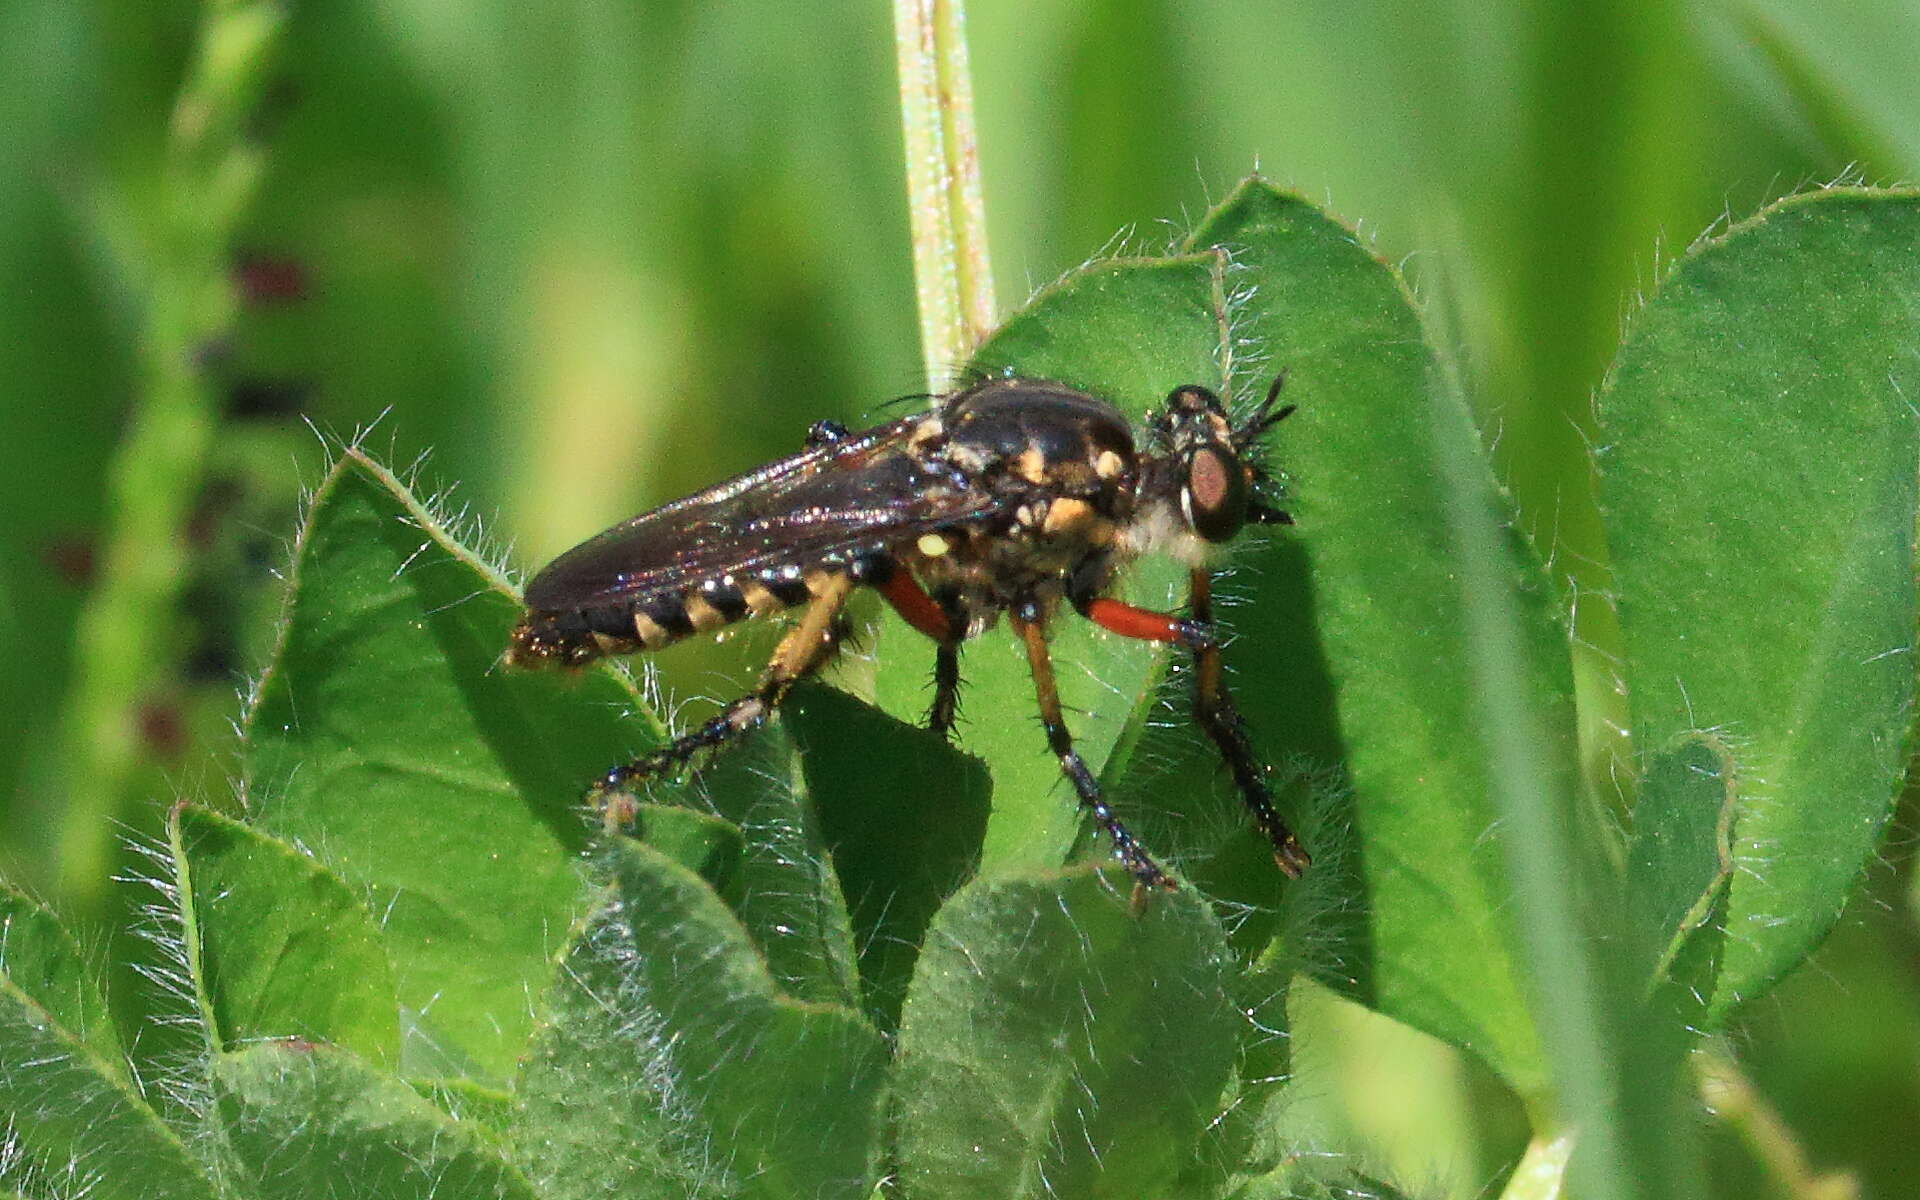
(1015,434)
(1060,468)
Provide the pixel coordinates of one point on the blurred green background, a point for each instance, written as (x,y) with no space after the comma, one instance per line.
(590,254)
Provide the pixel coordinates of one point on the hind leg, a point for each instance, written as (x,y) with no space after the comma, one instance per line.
(805,648)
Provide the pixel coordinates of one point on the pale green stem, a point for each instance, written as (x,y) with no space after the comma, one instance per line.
(1735,1101)
(1542,1172)
(209,175)
(953,275)
(1530,779)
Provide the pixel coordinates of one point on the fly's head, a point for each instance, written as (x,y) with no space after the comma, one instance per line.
(1209,469)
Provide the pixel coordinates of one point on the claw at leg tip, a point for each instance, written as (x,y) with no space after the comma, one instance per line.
(1292,859)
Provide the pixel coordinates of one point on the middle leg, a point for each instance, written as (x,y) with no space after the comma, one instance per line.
(1214,709)
(1147,873)
(1213,706)
(942,621)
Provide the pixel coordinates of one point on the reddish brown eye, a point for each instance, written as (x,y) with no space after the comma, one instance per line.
(1216,493)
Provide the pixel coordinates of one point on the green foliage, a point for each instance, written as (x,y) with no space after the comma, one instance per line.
(298,1119)
(385,741)
(282,948)
(1760,458)
(670,1063)
(1054,1040)
(415,967)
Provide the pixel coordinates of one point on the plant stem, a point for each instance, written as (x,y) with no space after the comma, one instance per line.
(952,273)
(1734,1100)
(1542,1172)
(209,174)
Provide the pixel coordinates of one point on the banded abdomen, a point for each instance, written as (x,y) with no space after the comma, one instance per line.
(552,634)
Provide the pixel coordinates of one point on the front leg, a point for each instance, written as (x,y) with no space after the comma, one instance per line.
(1213,706)
(1214,709)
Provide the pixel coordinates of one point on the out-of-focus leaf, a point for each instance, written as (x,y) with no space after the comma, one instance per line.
(670,1064)
(1848,77)
(1759,477)
(280,947)
(1053,1042)
(387,740)
(312,1121)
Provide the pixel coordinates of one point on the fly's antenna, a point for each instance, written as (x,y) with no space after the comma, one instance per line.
(1265,417)
(1268,484)
(910,399)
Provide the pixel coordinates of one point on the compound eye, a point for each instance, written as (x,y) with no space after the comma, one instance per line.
(1215,495)
(1191,398)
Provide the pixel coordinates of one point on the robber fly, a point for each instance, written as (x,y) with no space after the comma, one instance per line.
(1010,496)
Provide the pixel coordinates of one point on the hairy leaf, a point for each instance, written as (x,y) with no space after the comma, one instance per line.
(66,1108)
(1055,1043)
(311,1121)
(903,814)
(386,741)
(39,956)
(671,1064)
(281,948)
(1759,474)
(1373,460)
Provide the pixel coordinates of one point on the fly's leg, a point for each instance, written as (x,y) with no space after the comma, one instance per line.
(805,648)
(1146,873)
(946,689)
(825,433)
(1213,707)
(942,622)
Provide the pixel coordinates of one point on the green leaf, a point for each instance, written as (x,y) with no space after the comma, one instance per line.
(1681,854)
(832,798)
(1308,1179)
(784,889)
(1130,331)
(302,1120)
(388,742)
(281,948)
(904,814)
(485,1109)
(671,1064)
(39,956)
(62,1106)
(1375,592)
(1758,477)
(1055,1043)
(708,846)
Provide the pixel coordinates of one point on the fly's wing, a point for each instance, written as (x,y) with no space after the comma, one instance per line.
(842,497)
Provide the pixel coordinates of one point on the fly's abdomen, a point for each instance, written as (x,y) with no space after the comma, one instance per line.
(649,621)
